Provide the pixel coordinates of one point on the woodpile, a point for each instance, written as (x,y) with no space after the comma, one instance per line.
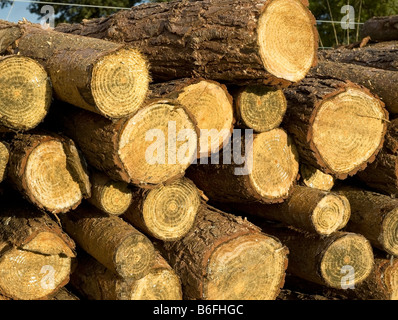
(198,150)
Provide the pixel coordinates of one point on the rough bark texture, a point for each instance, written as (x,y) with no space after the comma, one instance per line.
(381,28)
(306,99)
(191,258)
(382,175)
(213,39)
(378,81)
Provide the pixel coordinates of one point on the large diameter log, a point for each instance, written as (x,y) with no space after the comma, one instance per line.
(25,94)
(382,175)
(378,81)
(273,41)
(103,77)
(95,282)
(167,212)
(111,241)
(111,197)
(209,103)
(324,260)
(4,158)
(267,173)
(308,209)
(225,257)
(35,259)
(373,215)
(259,107)
(338,127)
(381,28)
(49,171)
(315,178)
(153,146)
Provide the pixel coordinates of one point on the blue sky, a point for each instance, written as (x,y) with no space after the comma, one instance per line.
(18,11)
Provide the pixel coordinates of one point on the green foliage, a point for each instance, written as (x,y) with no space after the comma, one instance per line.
(333,34)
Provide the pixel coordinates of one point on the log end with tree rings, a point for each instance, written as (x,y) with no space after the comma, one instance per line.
(260,108)
(348,130)
(25,93)
(119,83)
(250,267)
(332,213)
(315,178)
(389,232)
(350,257)
(158,143)
(274,165)
(287,39)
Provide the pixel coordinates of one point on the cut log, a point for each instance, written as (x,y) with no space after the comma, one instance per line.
(167,212)
(153,146)
(64,294)
(225,257)
(96,75)
(95,282)
(378,81)
(111,241)
(25,94)
(111,197)
(308,209)
(382,175)
(315,178)
(35,259)
(324,260)
(273,41)
(260,108)
(373,215)
(48,171)
(4,158)
(269,171)
(338,127)
(381,28)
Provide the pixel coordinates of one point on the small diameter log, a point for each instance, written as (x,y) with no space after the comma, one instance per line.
(381,28)
(272,41)
(210,105)
(64,294)
(267,172)
(308,209)
(49,171)
(109,196)
(153,146)
(100,76)
(111,241)
(35,259)
(25,93)
(378,81)
(4,158)
(315,178)
(338,127)
(225,257)
(373,215)
(382,175)
(95,282)
(260,108)
(167,212)
(324,260)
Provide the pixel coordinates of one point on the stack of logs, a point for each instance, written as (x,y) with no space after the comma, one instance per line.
(136,148)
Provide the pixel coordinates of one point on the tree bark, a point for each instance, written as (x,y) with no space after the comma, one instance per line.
(338,127)
(167,212)
(95,282)
(210,105)
(4,158)
(111,241)
(96,75)
(25,93)
(226,257)
(35,259)
(381,28)
(48,171)
(268,172)
(223,41)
